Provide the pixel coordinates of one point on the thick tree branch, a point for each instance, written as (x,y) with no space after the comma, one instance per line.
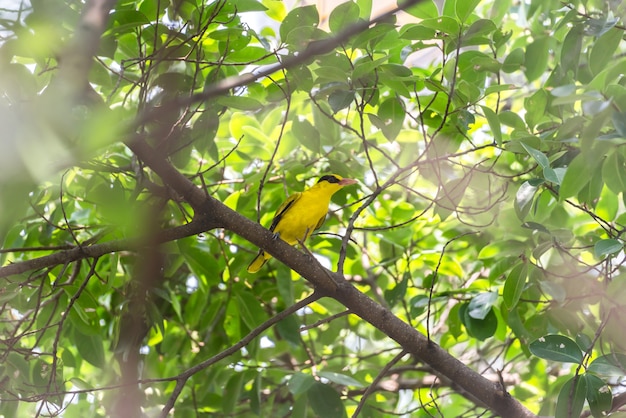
(334,285)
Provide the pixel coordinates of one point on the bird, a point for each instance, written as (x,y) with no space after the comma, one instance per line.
(301,214)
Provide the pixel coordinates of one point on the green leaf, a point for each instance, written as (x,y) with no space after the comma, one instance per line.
(524,199)
(557,348)
(343,16)
(598,395)
(306,134)
(606,247)
(480,329)
(298,25)
(535,106)
(341,379)
(494,124)
(570,50)
(426,9)
(481,304)
(599,26)
(200,262)
(537,155)
(613,364)
(514,61)
(300,383)
(91,348)
(340,99)
(514,285)
(512,119)
(443,24)
(603,49)
(450,195)
(243,6)
(396,294)
(478,29)
(614,172)
(326,401)
(554,175)
(232,392)
(240,102)
(536,57)
(576,177)
(571,398)
(464,8)
(289,329)
(250,309)
(392,113)
(619,122)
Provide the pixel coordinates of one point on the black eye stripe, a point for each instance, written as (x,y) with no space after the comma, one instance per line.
(330,179)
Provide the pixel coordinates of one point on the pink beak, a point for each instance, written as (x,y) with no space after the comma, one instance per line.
(347,182)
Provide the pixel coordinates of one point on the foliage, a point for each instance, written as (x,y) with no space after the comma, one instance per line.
(488,141)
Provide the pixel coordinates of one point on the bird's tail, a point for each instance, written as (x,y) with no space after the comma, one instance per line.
(258,262)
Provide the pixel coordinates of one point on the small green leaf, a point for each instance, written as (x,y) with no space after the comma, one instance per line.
(524,199)
(554,175)
(537,155)
(514,285)
(613,364)
(576,177)
(481,304)
(426,9)
(250,308)
(299,21)
(450,195)
(570,50)
(91,348)
(340,379)
(306,133)
(603,49)
(480,329)
(340,99)
(343,16)
(300,383)
(443,24)
(606,247)
(598,395)
(536,58)
(392,113)
(535,106)
(289,329)
(614,172)
(556,348)
(514,61)
(232,392)
(464,8)
(494,124)
(512,119)
(571,398)
(240,102)
(396,294)
(326,401)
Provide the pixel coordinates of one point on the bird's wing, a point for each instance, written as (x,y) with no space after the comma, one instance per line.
(320,222)
(282,209)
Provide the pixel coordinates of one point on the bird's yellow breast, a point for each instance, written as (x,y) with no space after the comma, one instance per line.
(305,214)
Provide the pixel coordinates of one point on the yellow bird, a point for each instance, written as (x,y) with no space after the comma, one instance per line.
(301,214)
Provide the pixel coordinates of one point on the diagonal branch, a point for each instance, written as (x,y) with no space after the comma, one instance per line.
(334,285)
